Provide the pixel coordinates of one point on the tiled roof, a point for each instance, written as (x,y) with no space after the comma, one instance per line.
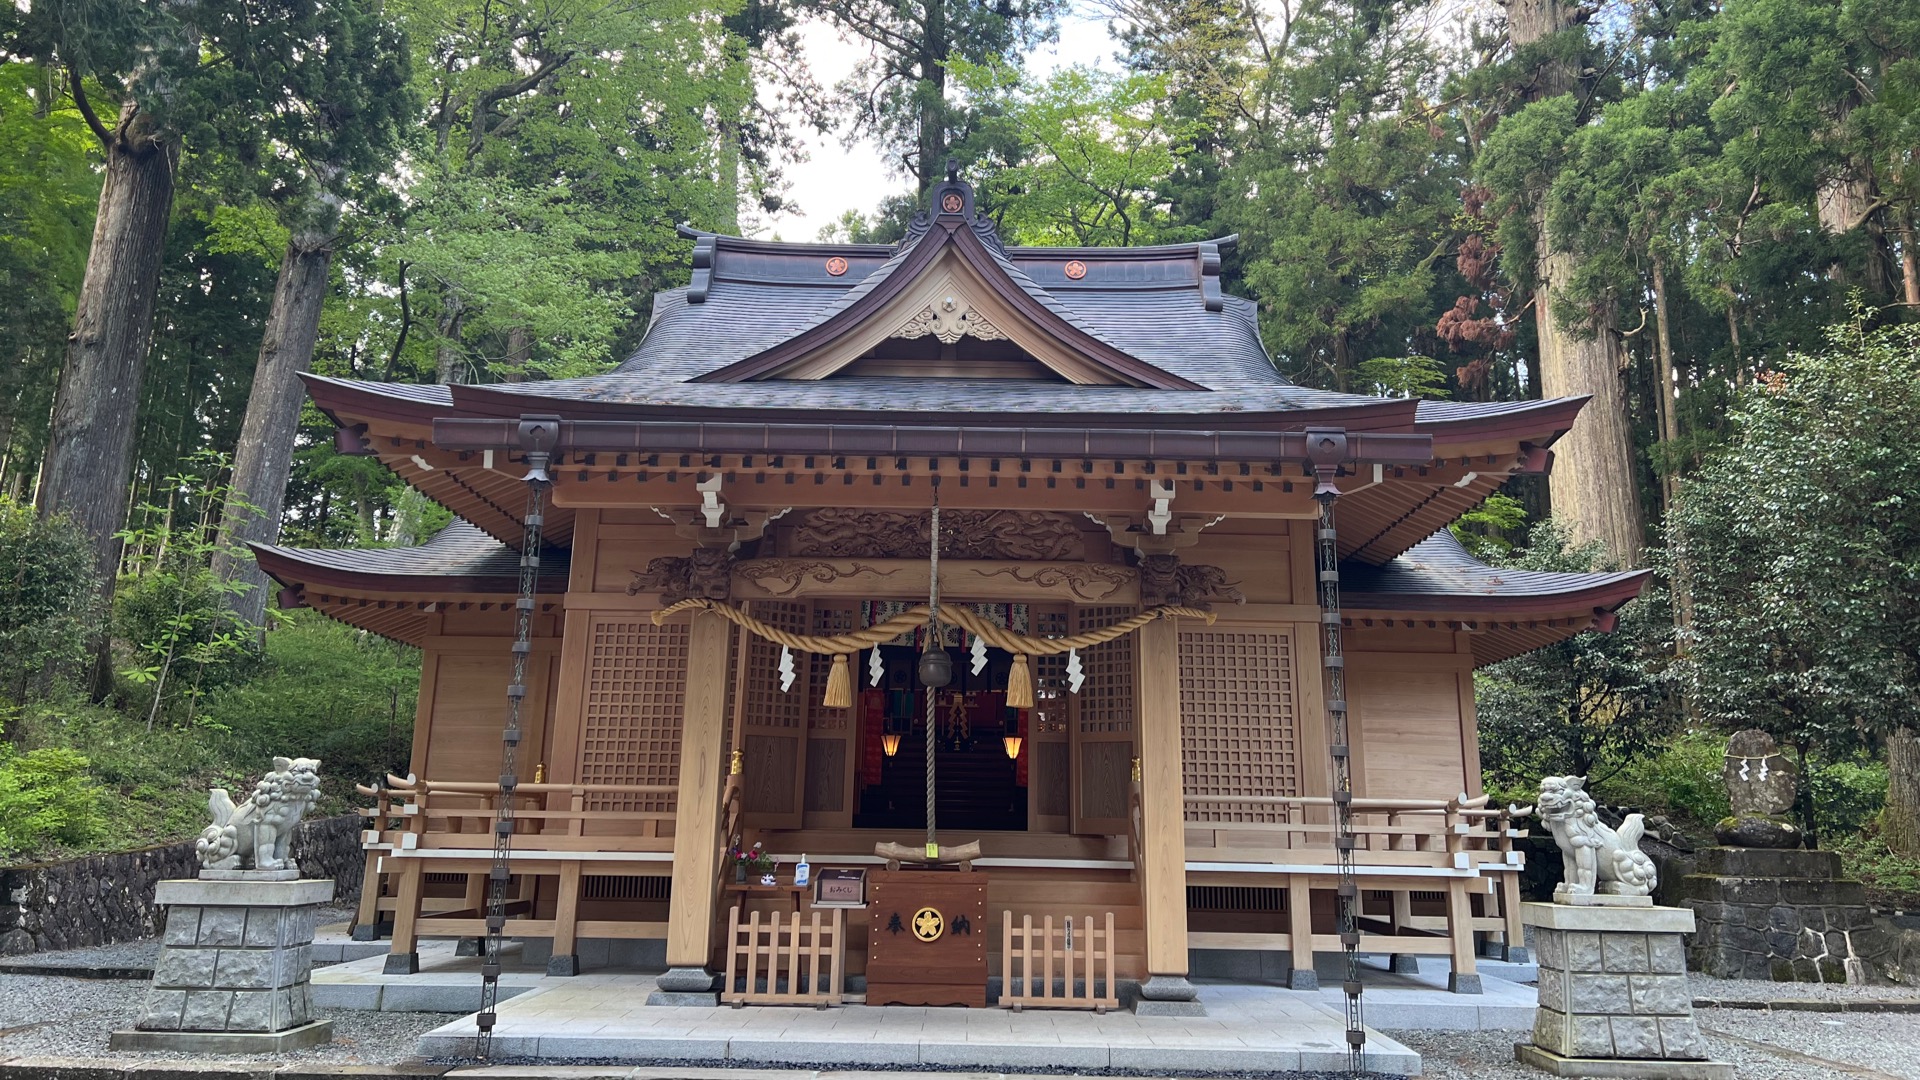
(1437,567)
(458,551)
(1440,567)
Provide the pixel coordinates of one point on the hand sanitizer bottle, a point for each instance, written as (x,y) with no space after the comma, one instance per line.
(802,873)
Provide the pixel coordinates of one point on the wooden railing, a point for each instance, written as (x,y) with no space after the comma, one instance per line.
(1457,847)
(1030,957)
(1456,834)
(460,815)
(784,961)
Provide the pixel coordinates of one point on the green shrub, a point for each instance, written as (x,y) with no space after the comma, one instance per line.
(1681,782)
(1892,880)
(1847,797)
(48,610)
(327,691)
(46,799)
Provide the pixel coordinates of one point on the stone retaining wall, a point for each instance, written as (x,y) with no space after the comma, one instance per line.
(103,899)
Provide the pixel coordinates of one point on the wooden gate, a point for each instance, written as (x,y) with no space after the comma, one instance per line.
(800,963)
(1029,959)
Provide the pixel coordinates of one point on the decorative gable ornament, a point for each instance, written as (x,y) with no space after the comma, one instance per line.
(949,318)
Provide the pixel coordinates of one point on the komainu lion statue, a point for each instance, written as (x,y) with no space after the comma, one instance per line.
(254,835)
(1596,859)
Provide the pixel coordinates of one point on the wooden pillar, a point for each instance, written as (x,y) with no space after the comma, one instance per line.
(1163,873)
(696,835)
(1465,977)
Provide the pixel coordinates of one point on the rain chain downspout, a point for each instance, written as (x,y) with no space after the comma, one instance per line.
(1325,449)
(536,437)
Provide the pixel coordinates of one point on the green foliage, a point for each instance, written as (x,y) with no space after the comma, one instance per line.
(1086,153)
(1589,705)
(46,798)
(1410,376)
(1798,545)
(1681,780)
(47,608)
(1892,879)
(1847,796)
(176,610)
(1487,530)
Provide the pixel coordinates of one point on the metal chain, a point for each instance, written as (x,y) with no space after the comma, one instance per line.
(1343,839)
(935,639)
(509,746)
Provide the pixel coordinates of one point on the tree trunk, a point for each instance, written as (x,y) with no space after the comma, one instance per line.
(89,461)
(264,459)
(1909,262)
(519,353)
(1900,821)
(933,119)
(1592,484)
(1668,405)
(449,364)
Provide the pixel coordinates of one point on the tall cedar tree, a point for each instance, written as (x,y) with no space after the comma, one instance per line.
(347,145)
(899,94)
(1554,80)
(201,73)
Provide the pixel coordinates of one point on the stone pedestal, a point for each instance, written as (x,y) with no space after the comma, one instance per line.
(233,967)
(1782,914)
(1613,994)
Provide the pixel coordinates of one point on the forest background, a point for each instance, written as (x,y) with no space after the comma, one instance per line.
(1701,214)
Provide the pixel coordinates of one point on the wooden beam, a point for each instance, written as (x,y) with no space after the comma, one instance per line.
(1163,877)
(696,838)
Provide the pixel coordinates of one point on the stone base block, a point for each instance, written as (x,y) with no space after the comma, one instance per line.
(291,874)
(402,963)
(1628,1069)
(1303,979)
(565,965)
(1148,1007)
(364,933)
(1458,983)
(316,1033)
(1403,964)
(682,997)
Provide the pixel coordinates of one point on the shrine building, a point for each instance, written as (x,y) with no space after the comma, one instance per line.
(1206,630)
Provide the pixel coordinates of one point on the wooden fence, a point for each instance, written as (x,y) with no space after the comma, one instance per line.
(1030,957)
(784,961)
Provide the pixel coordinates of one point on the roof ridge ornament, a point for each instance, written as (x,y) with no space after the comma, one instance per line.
(949,199)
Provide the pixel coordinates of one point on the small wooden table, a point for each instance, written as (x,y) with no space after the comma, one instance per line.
(756,891)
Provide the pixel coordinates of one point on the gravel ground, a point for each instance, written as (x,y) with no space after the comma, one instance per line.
(1762,990)
(48,1016)
(1764,1046)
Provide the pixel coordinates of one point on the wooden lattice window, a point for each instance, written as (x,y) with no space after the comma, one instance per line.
(1238,726)
(1105,705)
(774,721)
(636,686)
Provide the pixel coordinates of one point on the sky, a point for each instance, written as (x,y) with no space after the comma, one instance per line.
(837,177)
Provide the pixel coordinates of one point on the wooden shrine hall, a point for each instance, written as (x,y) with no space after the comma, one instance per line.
(1200,632)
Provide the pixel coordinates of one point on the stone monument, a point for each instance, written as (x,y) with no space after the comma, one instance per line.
(1767,908)
(1761,784)
(1613,971)
(234,961)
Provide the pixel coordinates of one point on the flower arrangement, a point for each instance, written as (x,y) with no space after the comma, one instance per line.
(750,861)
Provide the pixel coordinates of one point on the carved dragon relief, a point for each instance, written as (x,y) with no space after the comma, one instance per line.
(1164,580)
(1027,535)
(785,577)
(706,574)
(1088,582)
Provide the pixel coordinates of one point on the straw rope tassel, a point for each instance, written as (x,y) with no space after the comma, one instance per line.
(839,684)
(1020,684)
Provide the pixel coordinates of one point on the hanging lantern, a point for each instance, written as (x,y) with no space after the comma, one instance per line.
(936,667)
(1012,744)
(890,743)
